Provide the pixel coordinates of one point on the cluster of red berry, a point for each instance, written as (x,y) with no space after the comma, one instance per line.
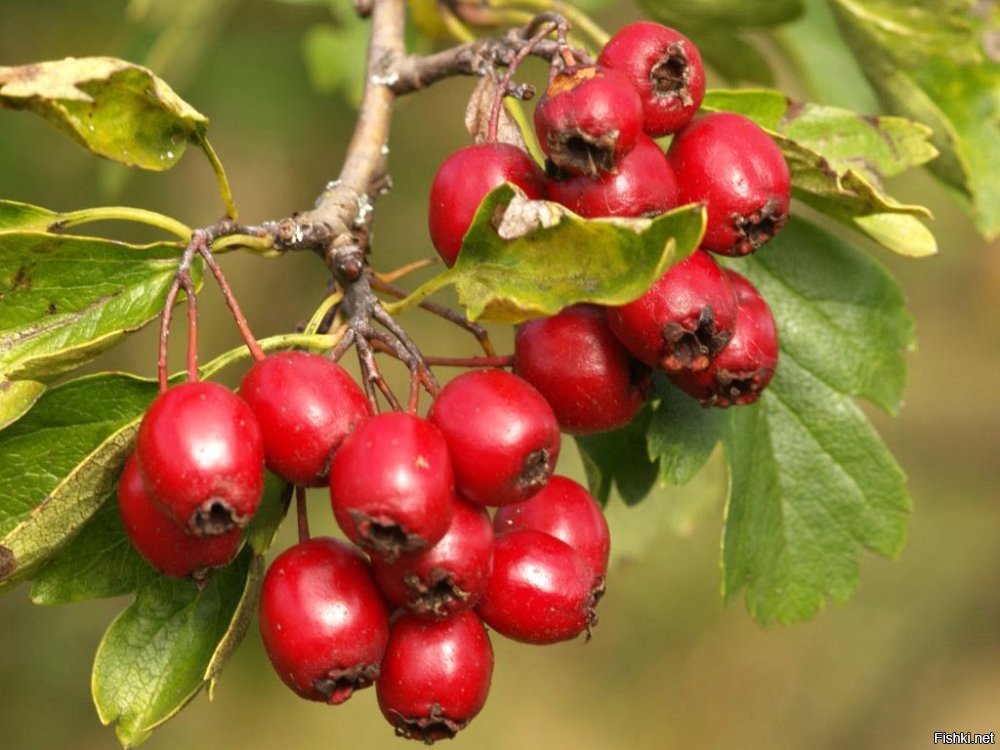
(409,491)
(707,328)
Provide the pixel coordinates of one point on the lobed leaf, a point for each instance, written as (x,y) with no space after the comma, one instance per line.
(619,459)
(66,299)
(682,434)
(522,259)
(931,60)
(111,107)
(168,644)
(838,160)
(811,484)
(60,462)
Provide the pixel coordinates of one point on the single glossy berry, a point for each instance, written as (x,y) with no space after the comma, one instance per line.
(588,118)
(160,541)
(566,510)
(201,455)
(502,435)
(585,373)
(323,621)
(450,576)
(642,185)
(306,405)
(743,369)
(541,590)
(391,484)
(464,179)
(683,321)
(435,676)
(666,69)
(727,162)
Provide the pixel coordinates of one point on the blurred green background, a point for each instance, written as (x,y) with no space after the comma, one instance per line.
(916,651)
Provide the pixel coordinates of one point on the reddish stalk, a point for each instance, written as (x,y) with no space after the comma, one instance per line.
(547,26)
(498,361)
(234,307)
(192,343)
(302,513)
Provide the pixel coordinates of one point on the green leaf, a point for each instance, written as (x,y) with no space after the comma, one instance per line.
(811,485)
(619,459)
(60,462)
(729,13)
(15,215)
(522,259)
(682,434)
(111,107)
(839,313)
(929,60)
(811,488)
(732,56)
(66,299)
(271,512)
(159,652)
(16,398)
(99,562)
(838,160)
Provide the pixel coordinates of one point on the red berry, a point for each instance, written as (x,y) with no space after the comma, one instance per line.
(160,541)
(306,404)
(323,622)
(744,368)
(502,435)
(642,185)
(435,675)
(391,484)
(683,321)
(727,162)
(450,576)
(201,455)
(565,510)
(574,360)
(541,590)
(666,69)
(464,179)
(588,118)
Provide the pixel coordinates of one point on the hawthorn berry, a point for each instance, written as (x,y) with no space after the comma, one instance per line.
(306,405)
(391,484)
(160,541)
(727,162)
(323,621)
(683,321)
(566,510)
(643,184)
(585,373)
(201,455)
(502,435)
(744,368)
(464,179)
(666,69)
(435,675)
(588,118)
(450,576)
(541,590)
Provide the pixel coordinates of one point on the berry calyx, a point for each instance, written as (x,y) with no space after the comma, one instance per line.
(502,435)
(642,185)
(450,576)
(391,485)
(588,118)
(566,510)
(727,162)
(744,368)
(435,676)
(666,69)
(160,541)
(585,373)
(201,455)
(306,405)
(541,590)
(683,321)
(324,624)
(464,179)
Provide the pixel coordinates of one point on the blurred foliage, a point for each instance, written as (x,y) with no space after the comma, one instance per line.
(916,651)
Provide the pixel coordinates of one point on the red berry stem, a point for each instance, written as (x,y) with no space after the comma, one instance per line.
(301,513)
(495,361)
(192,343)
(234,307)
(182,279)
